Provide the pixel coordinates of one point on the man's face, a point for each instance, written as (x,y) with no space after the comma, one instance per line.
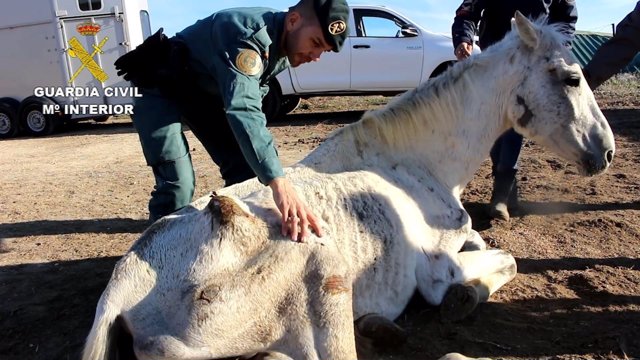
(304,40)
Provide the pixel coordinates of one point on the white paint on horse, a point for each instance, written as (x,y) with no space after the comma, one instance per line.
(217,279)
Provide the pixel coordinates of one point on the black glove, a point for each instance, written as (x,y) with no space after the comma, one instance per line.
(142,65)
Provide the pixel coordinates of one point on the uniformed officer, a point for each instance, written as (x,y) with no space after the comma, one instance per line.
(617,52)
(213,76)
(494,18)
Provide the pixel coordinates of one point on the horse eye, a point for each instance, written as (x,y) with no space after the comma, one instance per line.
(572,81)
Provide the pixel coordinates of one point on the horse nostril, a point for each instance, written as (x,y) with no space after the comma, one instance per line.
(609,156)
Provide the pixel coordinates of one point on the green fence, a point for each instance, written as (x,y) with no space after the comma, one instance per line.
(585,45)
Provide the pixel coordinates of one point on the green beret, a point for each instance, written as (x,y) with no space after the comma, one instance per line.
(334,17)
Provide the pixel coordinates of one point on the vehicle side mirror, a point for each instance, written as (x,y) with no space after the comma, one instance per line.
(408,31)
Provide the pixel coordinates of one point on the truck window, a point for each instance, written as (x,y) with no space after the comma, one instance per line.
(90,5)
(146,24)
(376,23)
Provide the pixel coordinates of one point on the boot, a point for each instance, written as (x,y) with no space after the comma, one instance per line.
(503,195)
(513,196)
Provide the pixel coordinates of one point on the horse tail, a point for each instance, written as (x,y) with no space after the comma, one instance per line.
(109,338)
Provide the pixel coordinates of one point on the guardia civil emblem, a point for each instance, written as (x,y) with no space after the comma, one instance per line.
(88,28)
(249,62)
(337,27)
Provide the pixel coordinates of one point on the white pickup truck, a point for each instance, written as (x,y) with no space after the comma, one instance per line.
(385,54)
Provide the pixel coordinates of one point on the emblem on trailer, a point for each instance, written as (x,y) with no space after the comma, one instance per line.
(76,50)
(88,28)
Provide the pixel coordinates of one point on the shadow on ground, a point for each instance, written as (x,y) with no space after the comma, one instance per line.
(59,227)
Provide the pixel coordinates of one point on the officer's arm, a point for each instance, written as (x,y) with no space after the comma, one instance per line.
(242,97)
(617,52)
(564,12)
(264,89)
(465,23)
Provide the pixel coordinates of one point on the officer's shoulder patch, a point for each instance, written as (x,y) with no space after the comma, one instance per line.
(249,62)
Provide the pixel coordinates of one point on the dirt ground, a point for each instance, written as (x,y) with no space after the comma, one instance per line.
(72,204)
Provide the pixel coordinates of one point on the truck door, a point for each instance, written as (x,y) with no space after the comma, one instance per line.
(381,56)
(330,73)
(94,36)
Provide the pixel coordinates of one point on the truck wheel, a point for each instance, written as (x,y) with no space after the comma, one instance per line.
(441,68)
(272,102)
(289,103)
(34,120)
(101,119)
(8,119)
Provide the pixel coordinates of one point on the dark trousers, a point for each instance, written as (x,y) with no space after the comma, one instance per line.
(506,151)
(158,122)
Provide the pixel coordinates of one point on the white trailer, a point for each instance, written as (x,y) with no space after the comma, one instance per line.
(56,61)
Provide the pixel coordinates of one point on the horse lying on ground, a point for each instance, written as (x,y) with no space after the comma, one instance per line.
(217,279)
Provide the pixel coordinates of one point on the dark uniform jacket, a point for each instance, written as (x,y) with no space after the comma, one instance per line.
(234,53)
(494,18)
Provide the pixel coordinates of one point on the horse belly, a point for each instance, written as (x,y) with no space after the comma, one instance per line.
(386,286)
(382,269)
(378,243)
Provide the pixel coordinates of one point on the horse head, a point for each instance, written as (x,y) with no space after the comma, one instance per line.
(553,105)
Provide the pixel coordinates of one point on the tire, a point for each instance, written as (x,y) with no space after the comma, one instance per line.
(101,119)
(34,121)
(441,68)
(289,103)
(8,118)
(272,102)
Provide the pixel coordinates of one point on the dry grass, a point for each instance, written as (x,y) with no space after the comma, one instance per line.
(340,103)
(621,91)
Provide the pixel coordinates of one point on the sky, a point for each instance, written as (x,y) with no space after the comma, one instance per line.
(433,15)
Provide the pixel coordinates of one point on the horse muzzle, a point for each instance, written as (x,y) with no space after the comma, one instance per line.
(596,163)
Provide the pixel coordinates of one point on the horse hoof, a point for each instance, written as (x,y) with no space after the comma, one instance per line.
(459,301)
(380,332)
(499,211)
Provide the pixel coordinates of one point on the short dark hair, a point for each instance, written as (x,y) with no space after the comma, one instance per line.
(305,8)
(331,15)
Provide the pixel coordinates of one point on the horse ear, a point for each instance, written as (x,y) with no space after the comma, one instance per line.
(525,29)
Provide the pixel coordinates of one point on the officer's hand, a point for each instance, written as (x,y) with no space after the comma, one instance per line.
(463,50)
(296,215)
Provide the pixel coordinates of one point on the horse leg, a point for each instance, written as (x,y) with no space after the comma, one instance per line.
(474,242)
(336,326)
(376,331)
(319,325)
(483,273)
(275,356)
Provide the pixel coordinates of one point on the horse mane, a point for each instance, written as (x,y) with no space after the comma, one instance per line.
(436,102)
(410,113)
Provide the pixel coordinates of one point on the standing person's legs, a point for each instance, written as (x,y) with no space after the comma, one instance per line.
(157,121)
(504,157)
(510,146)
(495,155)
(209,124)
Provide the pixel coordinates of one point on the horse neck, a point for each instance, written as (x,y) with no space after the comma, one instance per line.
(443,129)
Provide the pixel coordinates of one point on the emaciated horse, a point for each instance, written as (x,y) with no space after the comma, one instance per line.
(217,279)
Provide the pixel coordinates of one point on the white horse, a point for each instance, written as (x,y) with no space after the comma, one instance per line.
(217,279)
